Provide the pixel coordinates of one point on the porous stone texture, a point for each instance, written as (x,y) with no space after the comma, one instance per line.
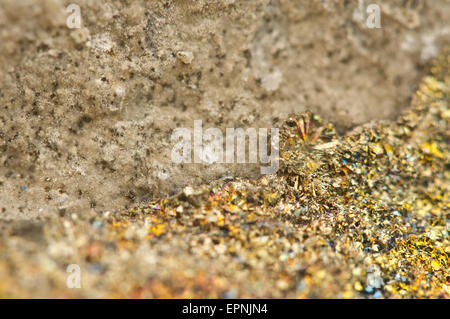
(87,114)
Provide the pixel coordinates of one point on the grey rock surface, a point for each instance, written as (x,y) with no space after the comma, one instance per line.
(87,114)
